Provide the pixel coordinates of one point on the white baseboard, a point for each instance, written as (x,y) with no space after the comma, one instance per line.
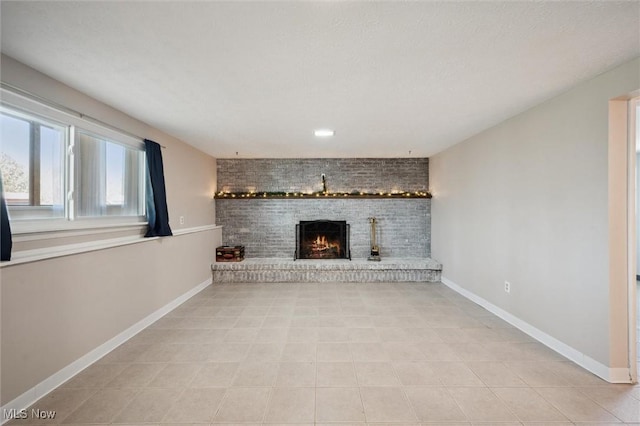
(29,397)
(611,375)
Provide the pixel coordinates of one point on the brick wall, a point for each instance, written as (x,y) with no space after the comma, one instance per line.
(342,175)
(266,227)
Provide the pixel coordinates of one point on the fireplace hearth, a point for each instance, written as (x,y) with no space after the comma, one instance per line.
(322,239)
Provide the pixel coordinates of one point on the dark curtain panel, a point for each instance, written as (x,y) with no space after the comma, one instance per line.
(5,229)
(157,212)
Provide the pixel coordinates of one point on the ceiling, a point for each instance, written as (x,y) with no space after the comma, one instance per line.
(392,79)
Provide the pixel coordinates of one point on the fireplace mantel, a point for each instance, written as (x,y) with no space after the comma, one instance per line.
(304,196)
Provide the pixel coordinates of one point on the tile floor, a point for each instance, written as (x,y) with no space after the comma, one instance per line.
(307,354)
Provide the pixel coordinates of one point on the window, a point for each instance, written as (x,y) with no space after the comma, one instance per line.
(32,163)
(56,166)
(109,177)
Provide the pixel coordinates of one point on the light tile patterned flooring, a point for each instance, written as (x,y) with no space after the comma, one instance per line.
(336,353)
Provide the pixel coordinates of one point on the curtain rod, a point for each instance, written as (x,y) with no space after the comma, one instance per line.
(66,109)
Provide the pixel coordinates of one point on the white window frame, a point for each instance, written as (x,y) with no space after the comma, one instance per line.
(34,186)
(30,228)
(141,177)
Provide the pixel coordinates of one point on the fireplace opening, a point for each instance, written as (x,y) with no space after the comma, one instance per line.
(322,239)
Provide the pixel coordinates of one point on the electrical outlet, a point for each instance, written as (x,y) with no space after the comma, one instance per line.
(181,220)
(507,286)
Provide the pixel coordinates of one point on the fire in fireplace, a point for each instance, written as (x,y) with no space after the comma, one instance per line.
(322,239)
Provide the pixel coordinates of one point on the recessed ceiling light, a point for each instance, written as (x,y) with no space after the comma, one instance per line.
(324,133)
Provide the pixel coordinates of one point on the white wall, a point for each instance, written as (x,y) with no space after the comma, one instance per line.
(55,311)
(527,202)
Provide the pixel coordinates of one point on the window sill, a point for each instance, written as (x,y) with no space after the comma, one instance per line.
(28,256)
(51,229)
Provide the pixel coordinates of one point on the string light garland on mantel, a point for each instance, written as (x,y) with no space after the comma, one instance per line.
(311,195)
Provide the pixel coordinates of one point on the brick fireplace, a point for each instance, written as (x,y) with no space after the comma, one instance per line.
(322,239)
(266,227)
